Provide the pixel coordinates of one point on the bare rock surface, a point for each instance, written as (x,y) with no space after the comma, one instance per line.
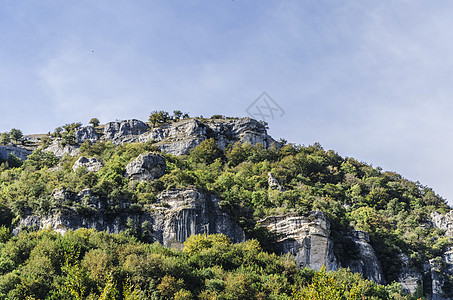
(87,133)
(273,182)
(92,164)
(410,278)
(60,150)
(124,131)
(176,138)
(177,215)
(305,237)
(148,166)
(368,265)
(19,152)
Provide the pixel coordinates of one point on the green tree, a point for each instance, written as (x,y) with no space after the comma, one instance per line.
(207,152)
(16,134)
(158,117)
(14,161)
(94,122)
(177,114)
(5,138)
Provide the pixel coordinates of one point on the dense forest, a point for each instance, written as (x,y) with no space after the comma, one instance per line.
(85,264)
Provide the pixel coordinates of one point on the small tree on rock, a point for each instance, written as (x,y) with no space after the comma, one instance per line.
(94,122)
(177,115)
(5,138)
(158,117)
(16,134)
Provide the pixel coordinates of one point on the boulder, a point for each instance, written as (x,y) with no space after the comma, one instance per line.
(148,166)
(92,164)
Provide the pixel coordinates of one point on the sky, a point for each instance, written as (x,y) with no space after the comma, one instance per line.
(369,79)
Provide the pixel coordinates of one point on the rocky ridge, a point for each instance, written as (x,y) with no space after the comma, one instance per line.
(176,138)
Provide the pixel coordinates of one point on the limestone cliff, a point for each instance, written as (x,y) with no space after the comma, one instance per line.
(177,215)
(305,237)
(177,138)
(367,263)
(308,239)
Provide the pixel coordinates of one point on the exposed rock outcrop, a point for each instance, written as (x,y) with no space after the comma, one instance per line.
(176,138)
(410,278)
(305,237)
(60,151)
(19,152)
(87,133)
(177,215)
(368,265)
(440,268)
(148,166)
(124,131)
(273,182)
(444,222)
(92,164)
(190,212)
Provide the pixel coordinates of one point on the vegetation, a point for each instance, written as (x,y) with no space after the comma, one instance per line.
(5,138)
(354,196)
(16,135)
(161,117)
(94,122)
(85,264)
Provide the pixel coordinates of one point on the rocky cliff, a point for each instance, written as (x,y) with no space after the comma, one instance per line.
(176,215)
(176,138)
(305,237)
(308,239)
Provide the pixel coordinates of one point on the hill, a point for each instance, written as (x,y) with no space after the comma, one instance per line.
(173,178)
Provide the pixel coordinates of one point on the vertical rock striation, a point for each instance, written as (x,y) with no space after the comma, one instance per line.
(305,237)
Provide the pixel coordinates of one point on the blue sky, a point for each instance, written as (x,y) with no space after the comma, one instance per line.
(368,79)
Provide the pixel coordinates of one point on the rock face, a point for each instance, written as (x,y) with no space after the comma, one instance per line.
(308,239)
(124,131)
(273,182)
(60,151)
(190,212)
(92,164)
(148,166)
(87,133)
(440,269)
(176,138)
(444,222)
(368,265)
(177,215)
(305,237)
(179,138)
(410,278)
(19,152)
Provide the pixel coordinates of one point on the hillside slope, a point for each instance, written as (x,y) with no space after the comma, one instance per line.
(170,181)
